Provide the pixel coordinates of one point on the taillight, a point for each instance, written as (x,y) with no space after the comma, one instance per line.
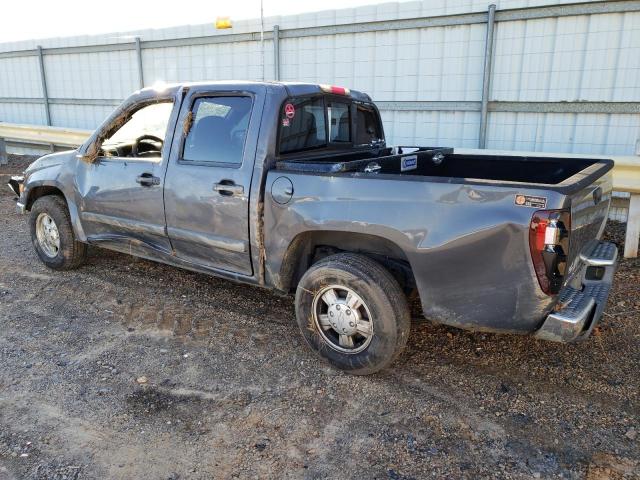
(549,245)
(335,90)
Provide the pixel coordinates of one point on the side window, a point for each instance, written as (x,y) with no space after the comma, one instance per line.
(142,135)
(218,130)
(367,126)
(302,125)
(339,122)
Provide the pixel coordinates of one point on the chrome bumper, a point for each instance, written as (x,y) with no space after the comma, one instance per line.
(21,208)
(581,303)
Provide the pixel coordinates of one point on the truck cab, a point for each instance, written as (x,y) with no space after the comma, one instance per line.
(179,171)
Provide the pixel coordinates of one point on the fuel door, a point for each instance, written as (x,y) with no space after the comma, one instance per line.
(282,190)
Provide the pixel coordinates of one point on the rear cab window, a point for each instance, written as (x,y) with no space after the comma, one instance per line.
(339,121)
(368,127)
(327,122)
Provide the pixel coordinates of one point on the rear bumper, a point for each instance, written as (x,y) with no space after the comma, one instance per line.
(582,302)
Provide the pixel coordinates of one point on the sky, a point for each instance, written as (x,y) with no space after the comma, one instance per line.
(32,19)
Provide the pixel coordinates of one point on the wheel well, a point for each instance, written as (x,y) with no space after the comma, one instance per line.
(311,247)
(37,192)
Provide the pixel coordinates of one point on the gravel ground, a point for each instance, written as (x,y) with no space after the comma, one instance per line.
(130,369)
(16,163)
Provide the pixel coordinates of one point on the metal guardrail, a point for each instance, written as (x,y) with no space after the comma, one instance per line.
(43,135)
(626,172)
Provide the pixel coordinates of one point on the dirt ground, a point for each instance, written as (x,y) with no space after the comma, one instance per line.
(130,369)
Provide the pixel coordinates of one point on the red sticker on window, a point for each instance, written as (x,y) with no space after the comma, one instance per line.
(289,110)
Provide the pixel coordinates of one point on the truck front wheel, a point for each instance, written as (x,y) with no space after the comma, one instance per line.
(52,234)
(353,313)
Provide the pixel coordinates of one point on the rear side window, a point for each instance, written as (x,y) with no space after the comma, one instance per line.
(219,130)
(367,126)
(303,125)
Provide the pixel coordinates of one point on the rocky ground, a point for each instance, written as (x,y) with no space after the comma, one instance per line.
(15,164)
(130,369)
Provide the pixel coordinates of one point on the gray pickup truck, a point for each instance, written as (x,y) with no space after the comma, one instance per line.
(292,187)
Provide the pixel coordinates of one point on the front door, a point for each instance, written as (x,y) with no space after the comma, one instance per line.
(209,176)
(121,191)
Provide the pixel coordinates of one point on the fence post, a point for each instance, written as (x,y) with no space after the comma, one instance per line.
(139,59)
(486,79)
(43,79)
(4,158)
(276,52)
(633,227)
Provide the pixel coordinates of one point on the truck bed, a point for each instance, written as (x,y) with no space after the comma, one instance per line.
(567,174)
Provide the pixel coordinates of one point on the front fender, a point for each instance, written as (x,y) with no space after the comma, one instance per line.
(53,175)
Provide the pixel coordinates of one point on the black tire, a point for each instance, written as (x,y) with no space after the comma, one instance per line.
(383,297)
(71,253)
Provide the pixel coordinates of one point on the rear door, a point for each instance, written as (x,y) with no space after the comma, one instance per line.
(207,185)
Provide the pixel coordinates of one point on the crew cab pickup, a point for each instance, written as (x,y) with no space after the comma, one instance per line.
(292,187)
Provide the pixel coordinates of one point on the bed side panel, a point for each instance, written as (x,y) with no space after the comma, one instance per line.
(467,244)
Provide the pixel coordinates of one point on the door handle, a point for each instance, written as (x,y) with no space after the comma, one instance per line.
(228,188)
(147,179)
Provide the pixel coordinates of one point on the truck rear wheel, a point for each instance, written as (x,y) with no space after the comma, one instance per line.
(353,313)
(52,234)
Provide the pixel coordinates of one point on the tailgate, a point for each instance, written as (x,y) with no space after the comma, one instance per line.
(589,212)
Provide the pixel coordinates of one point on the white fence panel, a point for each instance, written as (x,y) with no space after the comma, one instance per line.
(220,61)
(600,134)
(80,116)
(19,77)
(32,113)
(576,58)
(91,75)
(435,129)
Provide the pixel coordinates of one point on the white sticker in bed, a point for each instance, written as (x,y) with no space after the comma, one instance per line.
(408,163)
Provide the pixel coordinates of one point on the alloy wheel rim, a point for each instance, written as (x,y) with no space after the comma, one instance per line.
(343,319)
(48,235)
